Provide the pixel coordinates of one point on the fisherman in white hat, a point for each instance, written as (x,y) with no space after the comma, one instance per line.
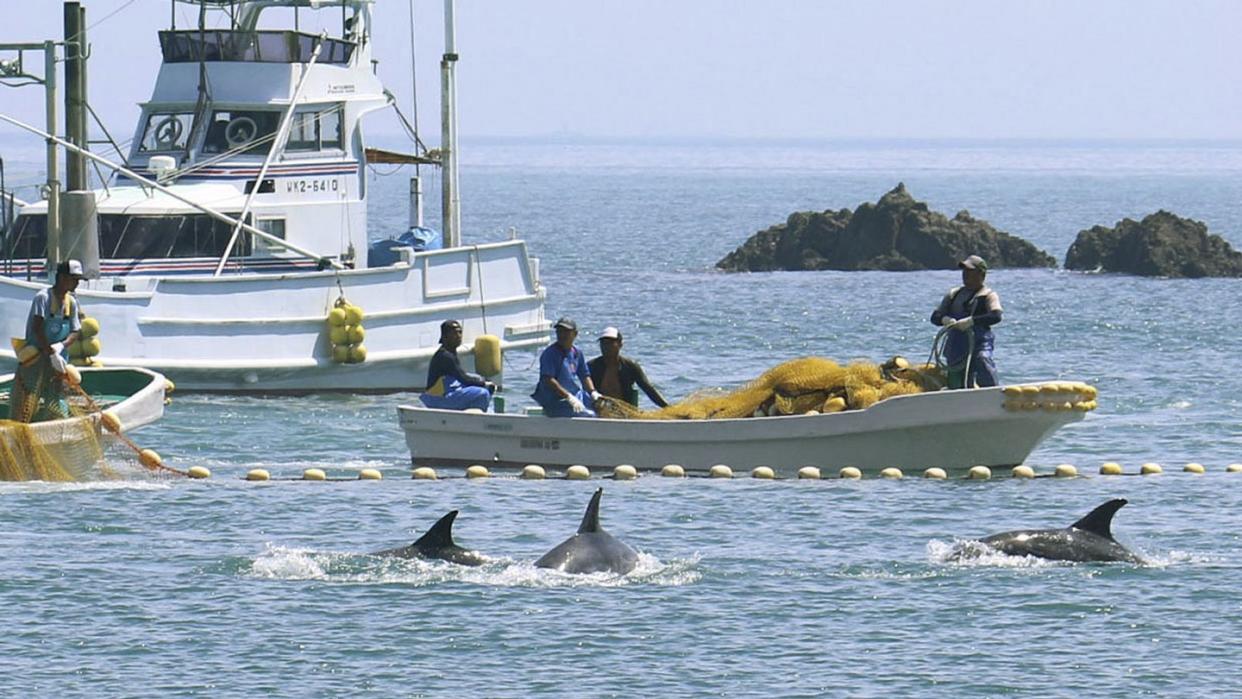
(54,323)
(616,376)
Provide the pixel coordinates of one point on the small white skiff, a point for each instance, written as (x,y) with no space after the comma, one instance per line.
(953,430)
(135,396)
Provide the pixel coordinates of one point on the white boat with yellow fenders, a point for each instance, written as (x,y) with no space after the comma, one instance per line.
(238,218)
(953,430)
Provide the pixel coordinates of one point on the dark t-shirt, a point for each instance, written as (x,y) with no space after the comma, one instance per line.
(445,363)
(630,373)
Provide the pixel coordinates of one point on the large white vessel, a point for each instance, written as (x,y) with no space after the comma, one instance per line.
(240,217)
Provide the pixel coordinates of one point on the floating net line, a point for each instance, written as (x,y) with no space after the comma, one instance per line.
(795,387)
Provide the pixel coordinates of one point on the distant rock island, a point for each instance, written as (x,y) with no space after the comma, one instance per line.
(1161,245)
(896,234)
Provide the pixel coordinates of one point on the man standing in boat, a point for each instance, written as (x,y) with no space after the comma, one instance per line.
(565,388)
(969,311)
(450,387)
(54,323)
(616,376)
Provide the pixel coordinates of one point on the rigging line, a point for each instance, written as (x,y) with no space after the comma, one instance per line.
(413,74)
(105,18)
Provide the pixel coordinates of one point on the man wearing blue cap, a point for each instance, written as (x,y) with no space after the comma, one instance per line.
(565,388)
(969,311)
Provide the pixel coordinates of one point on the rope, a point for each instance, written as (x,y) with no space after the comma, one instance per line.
(936,356)
(94,407)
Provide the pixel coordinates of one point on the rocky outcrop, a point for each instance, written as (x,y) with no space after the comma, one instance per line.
(896,233)
(1161,245)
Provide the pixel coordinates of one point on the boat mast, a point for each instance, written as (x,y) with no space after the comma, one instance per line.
(451,200)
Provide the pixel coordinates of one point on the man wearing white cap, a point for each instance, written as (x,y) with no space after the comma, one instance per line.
(969,311)
(616,376)
(54,323)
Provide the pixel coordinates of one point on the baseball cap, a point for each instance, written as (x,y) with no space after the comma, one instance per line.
(567,324)
(610,333)
(71,267)
(973,262)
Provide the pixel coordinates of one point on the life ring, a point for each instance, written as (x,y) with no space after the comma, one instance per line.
(167,132)
(240,131)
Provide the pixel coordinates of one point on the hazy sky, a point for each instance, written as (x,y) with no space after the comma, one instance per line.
(755,69)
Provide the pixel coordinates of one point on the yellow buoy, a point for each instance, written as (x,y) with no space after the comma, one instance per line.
(110,421)
(258,474)
(624,472)
(150,459)
(198,472)
(720,471)
(340,354)
(353,314)
(477,471)
(339,335)
(90,327)
(1111,468)
(355,334)
(763,473)
(370,474)
(1233,468)
(577,472)
(834,405)
(91,347)
(75,351)
(1030,391)
(357,354)
(1022,471)
(979,473)
(892,472)
(1090,392)
(810,473)
(424,473)
(169,386)
(1012,390)
(72,376)
(850,473)
(533,472)
(1150,469)
(1194,468)
(487,359)
(935,473)
(314,474)
(1065,471)
(336,317)
(673,471)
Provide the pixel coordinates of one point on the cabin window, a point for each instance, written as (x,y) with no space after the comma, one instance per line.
(28,239)
(316,130)
(271,226)
(179,235)
(247,132)
(166,131)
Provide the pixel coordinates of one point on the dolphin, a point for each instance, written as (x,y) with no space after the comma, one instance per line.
(437,544)
(1088,540)
(591,550)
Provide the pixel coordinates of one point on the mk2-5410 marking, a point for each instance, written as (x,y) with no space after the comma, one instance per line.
(319,185)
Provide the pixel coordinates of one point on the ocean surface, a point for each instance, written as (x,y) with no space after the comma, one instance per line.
(745,588)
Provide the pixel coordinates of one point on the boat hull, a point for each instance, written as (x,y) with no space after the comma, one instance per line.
(267,333)
(953,430)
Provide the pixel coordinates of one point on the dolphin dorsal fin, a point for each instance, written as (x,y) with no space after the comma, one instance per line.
(1100,520)
(441,533)
(590,520)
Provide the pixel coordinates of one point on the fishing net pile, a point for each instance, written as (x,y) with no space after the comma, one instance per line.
(795,387)
(72,439)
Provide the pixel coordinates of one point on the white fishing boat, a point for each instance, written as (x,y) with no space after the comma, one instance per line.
(239,218)
(953,430)
(135,397)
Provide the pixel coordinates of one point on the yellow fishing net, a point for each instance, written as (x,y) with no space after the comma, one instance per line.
(71,440)
(795,387)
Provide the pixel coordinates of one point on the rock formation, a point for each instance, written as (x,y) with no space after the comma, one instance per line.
(896,233)
(1161,245)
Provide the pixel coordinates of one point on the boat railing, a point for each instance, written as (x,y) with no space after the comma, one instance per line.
(264,46)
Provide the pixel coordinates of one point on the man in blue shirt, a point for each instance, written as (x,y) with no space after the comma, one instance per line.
(565,388)
(970,311)
(449,387)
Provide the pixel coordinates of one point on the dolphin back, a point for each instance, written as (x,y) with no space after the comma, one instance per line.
(591,550)
(1100,520)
